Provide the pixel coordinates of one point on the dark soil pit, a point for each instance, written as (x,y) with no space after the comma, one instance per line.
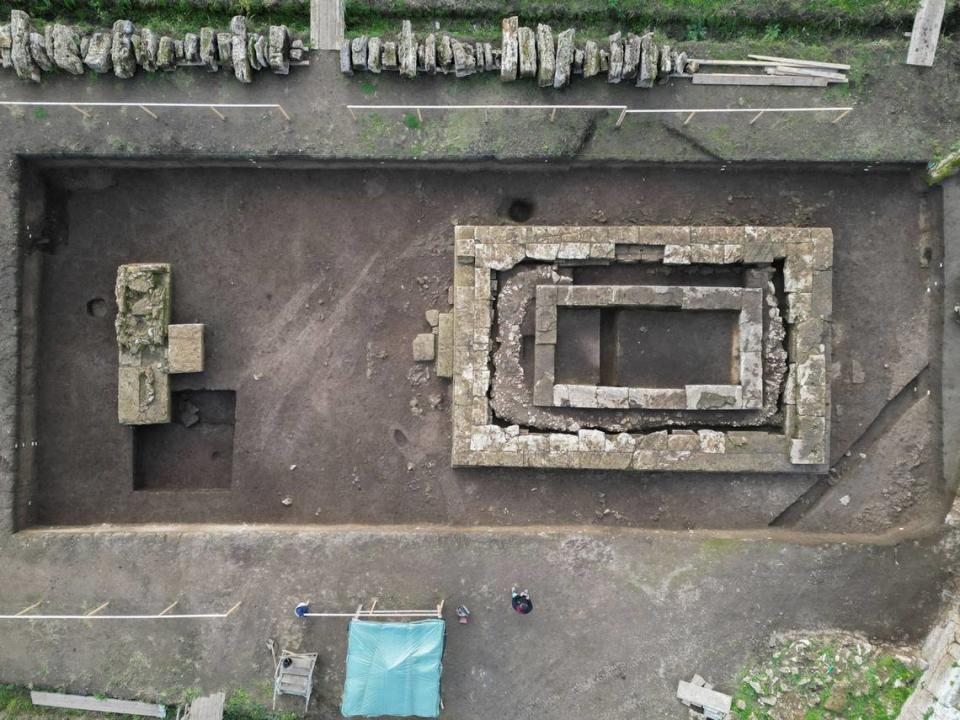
(195,451)
(312,284)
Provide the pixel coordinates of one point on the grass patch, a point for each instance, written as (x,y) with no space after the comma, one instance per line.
(40,113)
(412,121)
(175,17)
(823,678)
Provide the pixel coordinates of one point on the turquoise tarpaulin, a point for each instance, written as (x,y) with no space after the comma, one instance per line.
(393,669)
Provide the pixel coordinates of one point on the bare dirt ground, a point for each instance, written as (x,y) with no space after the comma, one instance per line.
(312,283)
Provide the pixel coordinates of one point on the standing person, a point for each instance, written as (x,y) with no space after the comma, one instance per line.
(521,601)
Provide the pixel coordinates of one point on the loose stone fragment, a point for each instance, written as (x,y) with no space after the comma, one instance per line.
(408,51)
(252,51)
(297,50)
(358,47)
(561,77)
(98,56)
(20,47)
(546,56)
(604,60)
(374,50)
(6,42)
(631,56)
(346,66)
(591,59)
(178,50)
(424,347)
(445,54)
(279,52)
(84,45)
(666,64)
(488,61)
(66,49)
(191,48)
(509,49)
(262,51)
(389,61)
(680,65)
(615,74)
(527,45)
(649,62)
(430,54)
(578,61)
(149,46)
(241,62)
(209,55)
(464,62)
(38,51)
(166,54)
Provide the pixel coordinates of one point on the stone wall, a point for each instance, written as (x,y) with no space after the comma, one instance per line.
(126,48)
(523,53)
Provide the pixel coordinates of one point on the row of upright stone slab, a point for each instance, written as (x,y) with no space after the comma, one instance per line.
(523,53)
(125,48)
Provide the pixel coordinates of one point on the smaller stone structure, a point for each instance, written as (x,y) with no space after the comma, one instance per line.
(747,395)
(150,348)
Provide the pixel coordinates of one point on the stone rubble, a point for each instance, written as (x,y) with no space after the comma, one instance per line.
(125,48)
(524,52)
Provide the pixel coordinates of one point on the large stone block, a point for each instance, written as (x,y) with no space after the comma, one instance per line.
(143,395)
(185,348)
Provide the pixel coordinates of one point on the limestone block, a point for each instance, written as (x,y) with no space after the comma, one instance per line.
(544,363)
(546,323)
(582,396)
(561,75)
(389,56)
(732,254)
(706,253)
(185,348)
(631,56)
(509,48)
(374,55)
(407,50)
(225,49)
(649,62)
(591,440)
(712,441)
(143,395)
(639,253)
(542,251)
(615,72)
(799,307)
(620,443)
(655,441)
(797,274)
(676,255)
(424,347)
(445,345)
(546,56)
(527,46)
(658,398)
(482,284)
(812,386)
(683,441)
(712,298)
(807,338)
(613,397)
(432,317)
(561,396)
(751,379)
(809,447)
(718,234)
(464,59)
(714,397)
(430,54)
(591,59)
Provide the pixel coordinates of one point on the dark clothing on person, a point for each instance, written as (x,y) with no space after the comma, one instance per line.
(522,604)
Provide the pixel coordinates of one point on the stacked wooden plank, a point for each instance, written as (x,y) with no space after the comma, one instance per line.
(767,70)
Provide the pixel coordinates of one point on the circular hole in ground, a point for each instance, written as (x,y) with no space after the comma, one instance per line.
(520,210)
(97,308)
(400,437)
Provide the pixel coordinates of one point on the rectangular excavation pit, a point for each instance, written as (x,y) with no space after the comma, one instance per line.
(194,451)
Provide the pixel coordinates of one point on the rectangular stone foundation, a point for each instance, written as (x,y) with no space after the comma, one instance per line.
(803,444)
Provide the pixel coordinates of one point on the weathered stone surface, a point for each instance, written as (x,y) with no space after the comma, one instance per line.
(374,52)
(680,64)
(166,54)
(561,76)
(632,53)
(389,57)
(464,62)
(445,345)
(297,50)
(713,397)
(445,54)
(591,59)
(98,57)
(346,64)
(488,61)
(209,55)
(143,395)
(66,49)
(509,49)
(38,51)
(191,48)
(407,50)
(546,56)
(424,347)
(20,55)
(358,49)
(527,47)
(649,62)
(241,61)
(6,42)
(430,54)
(613,397)
(666,64)
(185,348)
(279,50)
(149,47)
(615,73)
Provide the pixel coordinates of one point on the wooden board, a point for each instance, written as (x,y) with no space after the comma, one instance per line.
(326,24)
(835,77)
(736,79)
(926,33)
(800,63)
(691,694)
(83,702)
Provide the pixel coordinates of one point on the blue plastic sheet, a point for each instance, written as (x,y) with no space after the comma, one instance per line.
(393,669)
